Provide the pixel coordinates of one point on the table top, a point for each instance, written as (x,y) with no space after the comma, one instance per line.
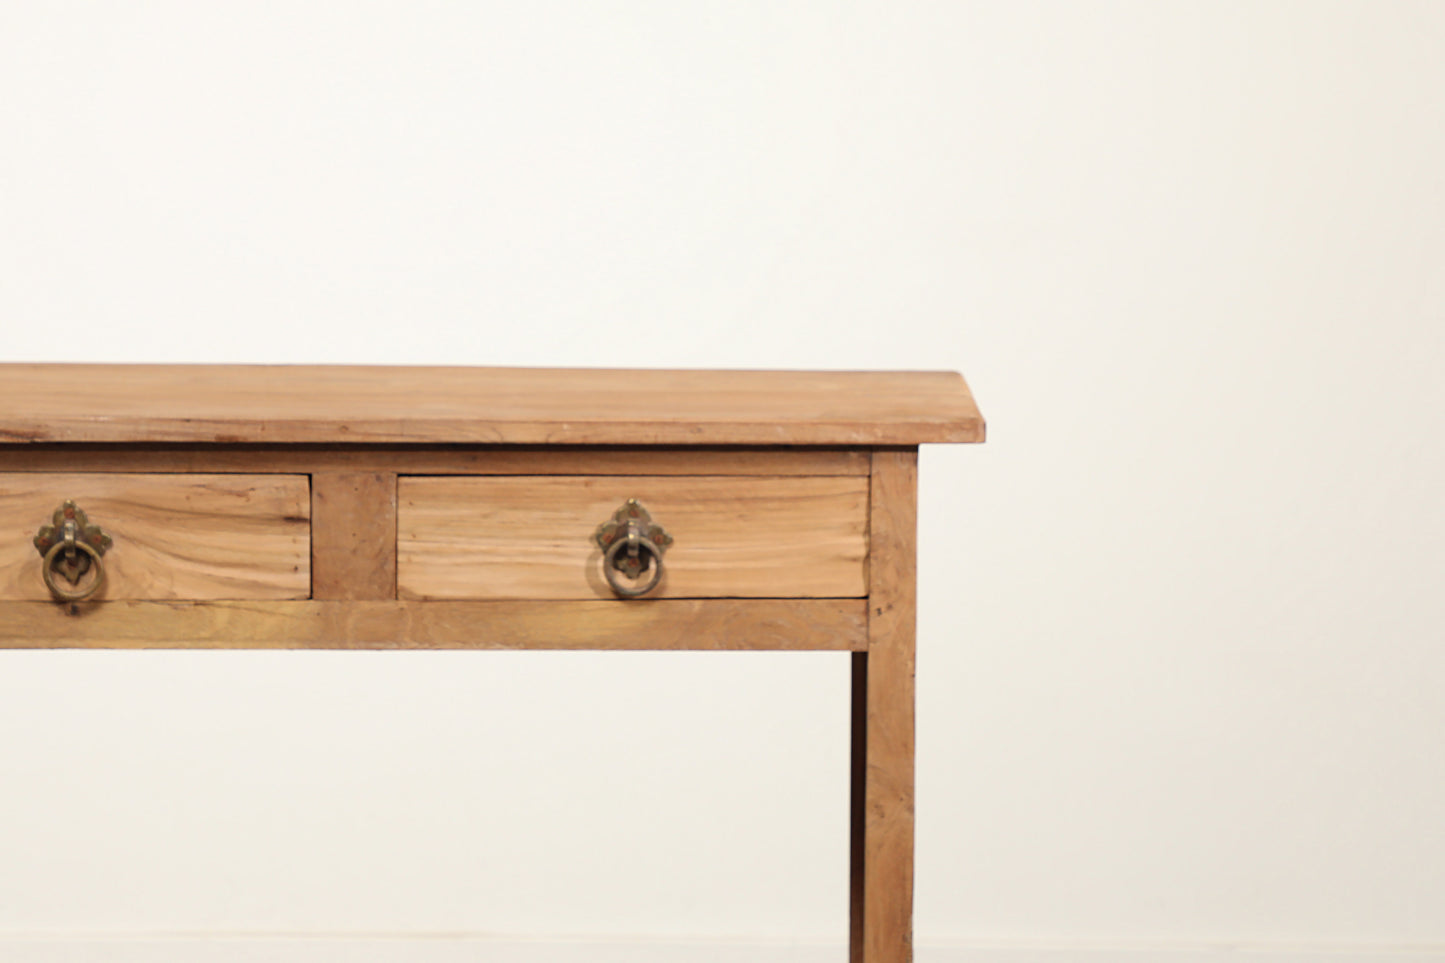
(336,404)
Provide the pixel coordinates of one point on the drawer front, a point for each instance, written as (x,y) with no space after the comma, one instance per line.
(184,536)
(533,537)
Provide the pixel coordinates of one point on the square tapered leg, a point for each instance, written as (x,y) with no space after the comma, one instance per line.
(881,854)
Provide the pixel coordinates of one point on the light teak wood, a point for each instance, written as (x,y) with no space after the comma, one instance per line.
(691,624)
(434,459)
(532,537)
(857,803)
(175,536)
(885,692)
(353,535)
(334,404)
(451,508)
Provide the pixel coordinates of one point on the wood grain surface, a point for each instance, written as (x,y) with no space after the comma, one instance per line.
(532,537)
(434,459)
(353,535)
(175,536)
(684,624)
(887,924)
(352,404)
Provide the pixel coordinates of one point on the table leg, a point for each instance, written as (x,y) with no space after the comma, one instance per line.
(858,782)
(881,924)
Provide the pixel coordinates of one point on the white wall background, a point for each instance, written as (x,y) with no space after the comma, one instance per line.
(1181,624)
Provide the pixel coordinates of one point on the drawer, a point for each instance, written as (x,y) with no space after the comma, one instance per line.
(182,536)
(534,537)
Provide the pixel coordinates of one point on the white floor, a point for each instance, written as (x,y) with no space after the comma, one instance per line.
(383,950)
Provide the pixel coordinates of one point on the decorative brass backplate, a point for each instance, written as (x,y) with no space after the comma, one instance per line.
(631,541)
(633,520)
(71,546)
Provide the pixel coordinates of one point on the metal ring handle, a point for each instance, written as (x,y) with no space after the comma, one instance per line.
(610,570)
(72,595)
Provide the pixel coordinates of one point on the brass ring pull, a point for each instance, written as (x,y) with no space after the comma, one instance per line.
(73,595)
(70,547)
(613,570)
(632,544)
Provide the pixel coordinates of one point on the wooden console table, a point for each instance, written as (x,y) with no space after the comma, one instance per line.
(455,508)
